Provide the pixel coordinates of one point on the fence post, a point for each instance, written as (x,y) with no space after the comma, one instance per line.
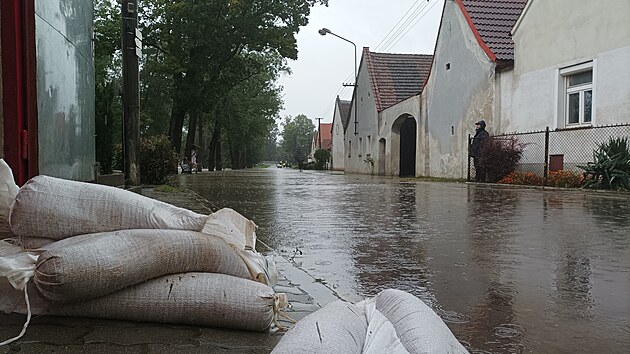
(468,177)
(546,172)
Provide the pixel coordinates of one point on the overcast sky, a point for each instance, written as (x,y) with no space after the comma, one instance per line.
(325,62)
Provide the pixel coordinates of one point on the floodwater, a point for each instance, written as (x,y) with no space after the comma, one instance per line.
(510,270)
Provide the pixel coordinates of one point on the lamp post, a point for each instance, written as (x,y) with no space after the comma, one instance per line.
(325,31)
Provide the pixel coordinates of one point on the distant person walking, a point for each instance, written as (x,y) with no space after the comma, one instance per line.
(481,136)
(193,159)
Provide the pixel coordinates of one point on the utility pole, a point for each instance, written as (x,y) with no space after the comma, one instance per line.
(131,52)
(319,131)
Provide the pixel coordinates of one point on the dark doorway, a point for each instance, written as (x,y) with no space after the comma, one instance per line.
(408,148)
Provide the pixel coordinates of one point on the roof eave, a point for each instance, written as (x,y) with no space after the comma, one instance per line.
(472,26)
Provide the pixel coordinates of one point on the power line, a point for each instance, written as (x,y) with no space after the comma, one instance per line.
(390,31)
(412,26)
(399,32)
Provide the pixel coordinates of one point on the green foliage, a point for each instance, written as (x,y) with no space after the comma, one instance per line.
(610,168)
(500,156)
(204,50)
(117,158)
(297,135)
(321,157)
(369,161)
(157,158)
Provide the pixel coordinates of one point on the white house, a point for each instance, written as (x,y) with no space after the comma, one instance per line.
(523,66)
(473,48)
(339,125)
(571,66)
(381,138)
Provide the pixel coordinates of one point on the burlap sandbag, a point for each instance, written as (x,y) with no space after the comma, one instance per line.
(34,243)
(339,327)
(206,299)
(89,266)
(419,329)
(56,208)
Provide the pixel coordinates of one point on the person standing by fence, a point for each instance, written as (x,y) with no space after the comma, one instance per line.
(481,136)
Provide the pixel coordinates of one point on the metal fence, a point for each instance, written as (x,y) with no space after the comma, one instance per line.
(561,149)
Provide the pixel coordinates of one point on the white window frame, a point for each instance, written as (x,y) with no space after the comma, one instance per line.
(564,91)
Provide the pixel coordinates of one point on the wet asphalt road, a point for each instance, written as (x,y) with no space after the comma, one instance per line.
(510,270)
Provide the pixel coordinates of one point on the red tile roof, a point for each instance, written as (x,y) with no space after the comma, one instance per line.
(492,21)
(326,136)
(396,77)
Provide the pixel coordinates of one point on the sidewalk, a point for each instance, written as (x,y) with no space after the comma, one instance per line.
(47,334)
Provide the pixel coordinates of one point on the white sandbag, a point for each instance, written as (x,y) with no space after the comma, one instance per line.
(381,335)
(16,265)
(339,327)
(206,299)
(89,266)
(233,227)
(13,301)
(55,208)
(8,191)
(419,328)
(34,243)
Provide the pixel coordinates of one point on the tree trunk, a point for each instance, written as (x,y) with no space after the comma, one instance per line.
(202,143)
(214,160)
(178,112)
(192,131)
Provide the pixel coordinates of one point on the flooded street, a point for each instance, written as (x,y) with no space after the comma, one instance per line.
(509,270)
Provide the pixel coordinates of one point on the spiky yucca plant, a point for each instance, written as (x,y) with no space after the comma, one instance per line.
(610,168)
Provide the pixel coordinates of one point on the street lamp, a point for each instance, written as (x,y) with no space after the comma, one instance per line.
(325,31)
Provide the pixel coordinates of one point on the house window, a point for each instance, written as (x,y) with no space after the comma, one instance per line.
(349,148)
(360,147)
(578,95)
(368,148)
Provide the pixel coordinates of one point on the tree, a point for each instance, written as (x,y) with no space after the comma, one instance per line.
(107,77)
(252,105)
(271,145)
(297,136)
(206,45)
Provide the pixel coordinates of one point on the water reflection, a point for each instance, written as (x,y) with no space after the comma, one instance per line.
(509,270)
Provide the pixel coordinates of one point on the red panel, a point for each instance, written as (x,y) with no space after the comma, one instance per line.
(18,84)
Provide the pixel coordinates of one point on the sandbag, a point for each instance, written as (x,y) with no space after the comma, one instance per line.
(339,327)
(205,299)
(392,322)
(419,328)
(55,208)
(34,243)
(89,266)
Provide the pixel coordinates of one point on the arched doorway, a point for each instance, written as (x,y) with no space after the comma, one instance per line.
(381,156)
(408,148)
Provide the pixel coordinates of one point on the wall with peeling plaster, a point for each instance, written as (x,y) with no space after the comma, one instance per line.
(367,117)
(389,129)
(459,92)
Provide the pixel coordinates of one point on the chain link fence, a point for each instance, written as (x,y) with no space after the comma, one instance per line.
(561,149)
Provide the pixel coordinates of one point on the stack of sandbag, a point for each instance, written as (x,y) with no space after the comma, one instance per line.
(392,322)
(98,251)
